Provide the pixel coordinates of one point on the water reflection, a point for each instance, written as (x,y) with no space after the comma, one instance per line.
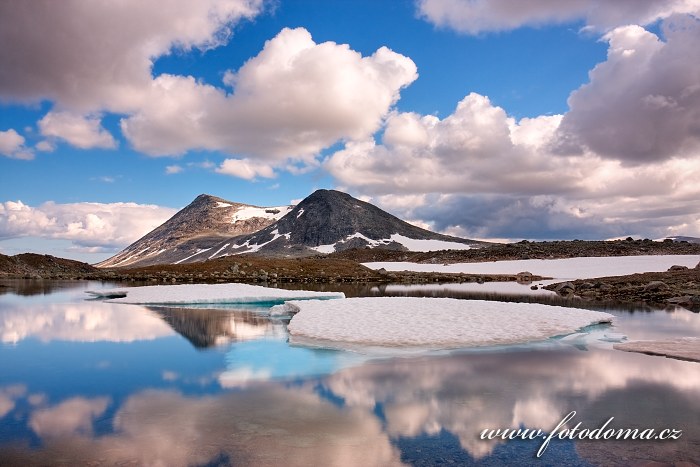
(93,382)
(81,322)
(366,415)
(210,327)
(465,394)
(270,426)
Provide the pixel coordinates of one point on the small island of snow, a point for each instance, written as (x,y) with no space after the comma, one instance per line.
(188,294)
(434,322)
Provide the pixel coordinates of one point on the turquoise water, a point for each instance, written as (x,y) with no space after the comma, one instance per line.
(89,382)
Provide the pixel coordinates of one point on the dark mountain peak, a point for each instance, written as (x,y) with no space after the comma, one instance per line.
(330,220)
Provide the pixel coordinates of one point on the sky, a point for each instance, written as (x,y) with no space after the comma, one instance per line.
(487,119)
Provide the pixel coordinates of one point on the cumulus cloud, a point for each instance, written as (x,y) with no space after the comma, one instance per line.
(246,169)
(87,57)
(12,145)
(476,149)
(479,173)
(84,132)
(643,103)
(623,160)
(112,225)
(293,99)
(173,169)
(45,146)
(477,16)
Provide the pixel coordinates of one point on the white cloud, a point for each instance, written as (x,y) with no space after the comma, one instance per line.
(45,146)
(625,159)
(246,169)
(12,145)
(477,16)
(112,225)
(643,103)
(84,132)
(94,56)
(173,169)
(477,149)
(293,99)
(482,174)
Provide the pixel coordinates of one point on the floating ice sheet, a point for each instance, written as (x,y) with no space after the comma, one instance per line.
(187,294)
(684,348)
(434,322)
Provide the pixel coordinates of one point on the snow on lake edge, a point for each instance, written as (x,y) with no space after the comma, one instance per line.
(565,268)
(434,322)
(210,293)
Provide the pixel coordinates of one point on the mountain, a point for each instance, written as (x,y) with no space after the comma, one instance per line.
(329,220)
(324,222)
(195,230)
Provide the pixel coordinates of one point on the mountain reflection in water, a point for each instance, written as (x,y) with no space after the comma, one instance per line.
(208,327)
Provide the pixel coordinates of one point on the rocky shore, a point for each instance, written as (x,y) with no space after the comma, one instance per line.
(677,286)
(526,250)
(247,269)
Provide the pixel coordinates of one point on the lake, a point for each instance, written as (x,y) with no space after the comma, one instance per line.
(90,382)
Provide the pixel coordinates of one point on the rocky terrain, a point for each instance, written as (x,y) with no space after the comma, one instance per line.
(31,265)
(527,250)
(199,227)
(262,269)
(677,286)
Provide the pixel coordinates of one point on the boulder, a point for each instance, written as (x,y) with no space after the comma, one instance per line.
(676,267)
(655,286)
(565,287)
(524,276)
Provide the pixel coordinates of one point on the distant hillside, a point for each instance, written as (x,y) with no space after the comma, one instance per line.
(195,229)
(34,265)
(681,238)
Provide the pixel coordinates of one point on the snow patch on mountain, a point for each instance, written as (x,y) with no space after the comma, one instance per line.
(411,244)
(199,251)
(249,212)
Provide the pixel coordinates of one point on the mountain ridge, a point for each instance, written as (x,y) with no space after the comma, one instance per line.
(324,222)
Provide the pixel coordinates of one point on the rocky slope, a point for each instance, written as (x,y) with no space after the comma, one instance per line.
(328,221)
(31,265)
(195,230)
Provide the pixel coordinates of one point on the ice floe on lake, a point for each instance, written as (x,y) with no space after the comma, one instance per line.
(433,322)
(188,294)
(565,268)
(683,348)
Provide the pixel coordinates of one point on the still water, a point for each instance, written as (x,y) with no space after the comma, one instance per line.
(91,382)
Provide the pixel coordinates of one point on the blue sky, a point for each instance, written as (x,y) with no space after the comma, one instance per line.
(481,119)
